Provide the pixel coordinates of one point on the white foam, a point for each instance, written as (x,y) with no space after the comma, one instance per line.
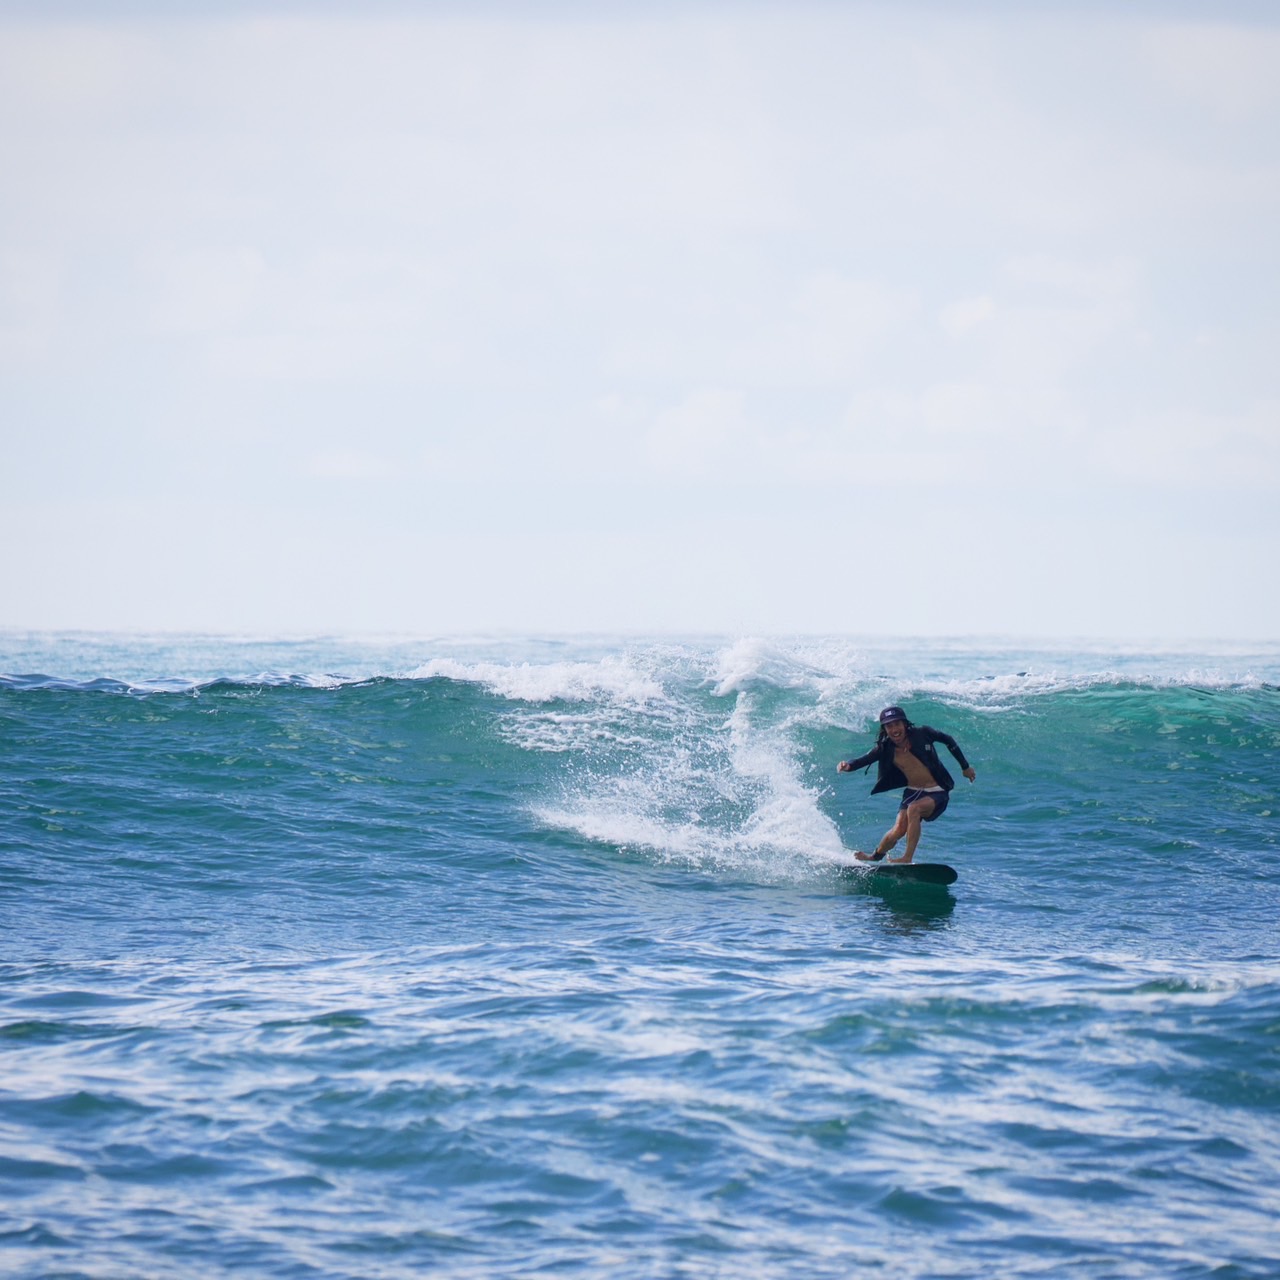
(616,678)
(751,663)
(735,797)
(773,838)
(1001,693)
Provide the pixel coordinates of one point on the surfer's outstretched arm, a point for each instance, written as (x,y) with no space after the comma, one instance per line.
(954,747)
(859,762)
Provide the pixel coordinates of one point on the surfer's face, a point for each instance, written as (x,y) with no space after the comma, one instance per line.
(897,730)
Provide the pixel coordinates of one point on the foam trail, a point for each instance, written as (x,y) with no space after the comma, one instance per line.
(737,798)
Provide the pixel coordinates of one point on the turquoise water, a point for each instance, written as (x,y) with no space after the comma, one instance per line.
(475,958)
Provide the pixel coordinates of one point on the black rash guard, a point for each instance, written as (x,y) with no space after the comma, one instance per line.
(921,739)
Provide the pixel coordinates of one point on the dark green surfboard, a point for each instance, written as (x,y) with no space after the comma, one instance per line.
(914,872)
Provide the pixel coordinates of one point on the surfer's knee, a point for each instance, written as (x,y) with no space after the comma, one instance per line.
(920,811)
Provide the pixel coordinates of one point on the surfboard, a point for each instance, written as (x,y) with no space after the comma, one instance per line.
(914,872)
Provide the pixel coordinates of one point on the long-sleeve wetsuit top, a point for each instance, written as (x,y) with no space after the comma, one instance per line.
(921,739)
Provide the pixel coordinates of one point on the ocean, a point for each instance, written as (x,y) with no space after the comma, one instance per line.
(481,957)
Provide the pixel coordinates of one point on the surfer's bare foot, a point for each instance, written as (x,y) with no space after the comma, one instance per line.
(898,862)
(864,857)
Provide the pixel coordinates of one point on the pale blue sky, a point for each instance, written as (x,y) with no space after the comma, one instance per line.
(742,318)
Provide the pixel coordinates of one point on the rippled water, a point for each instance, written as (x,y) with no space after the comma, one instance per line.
(471,959)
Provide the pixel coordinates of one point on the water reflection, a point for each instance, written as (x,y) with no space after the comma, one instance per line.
(903,906)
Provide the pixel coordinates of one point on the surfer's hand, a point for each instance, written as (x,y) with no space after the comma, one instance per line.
(969,773)
(844,767)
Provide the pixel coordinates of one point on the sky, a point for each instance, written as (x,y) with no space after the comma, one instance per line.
(758,318)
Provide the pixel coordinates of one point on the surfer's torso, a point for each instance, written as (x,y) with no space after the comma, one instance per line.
(917,752)
(916,772)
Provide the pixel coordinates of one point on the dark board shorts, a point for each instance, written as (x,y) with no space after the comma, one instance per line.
(940,801)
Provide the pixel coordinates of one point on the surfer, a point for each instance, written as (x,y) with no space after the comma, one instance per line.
(906,757)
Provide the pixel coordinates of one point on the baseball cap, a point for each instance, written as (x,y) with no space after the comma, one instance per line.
(890,714)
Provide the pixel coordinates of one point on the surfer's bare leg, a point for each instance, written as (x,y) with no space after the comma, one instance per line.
(916,812)
(888,840)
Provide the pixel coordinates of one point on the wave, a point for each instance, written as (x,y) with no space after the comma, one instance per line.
(724,754)
(39,682)
(617,678)
(634,670)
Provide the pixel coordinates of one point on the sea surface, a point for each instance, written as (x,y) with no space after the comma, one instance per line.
(493,957)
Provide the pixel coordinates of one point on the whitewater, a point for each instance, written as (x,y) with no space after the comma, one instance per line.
(477,956)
